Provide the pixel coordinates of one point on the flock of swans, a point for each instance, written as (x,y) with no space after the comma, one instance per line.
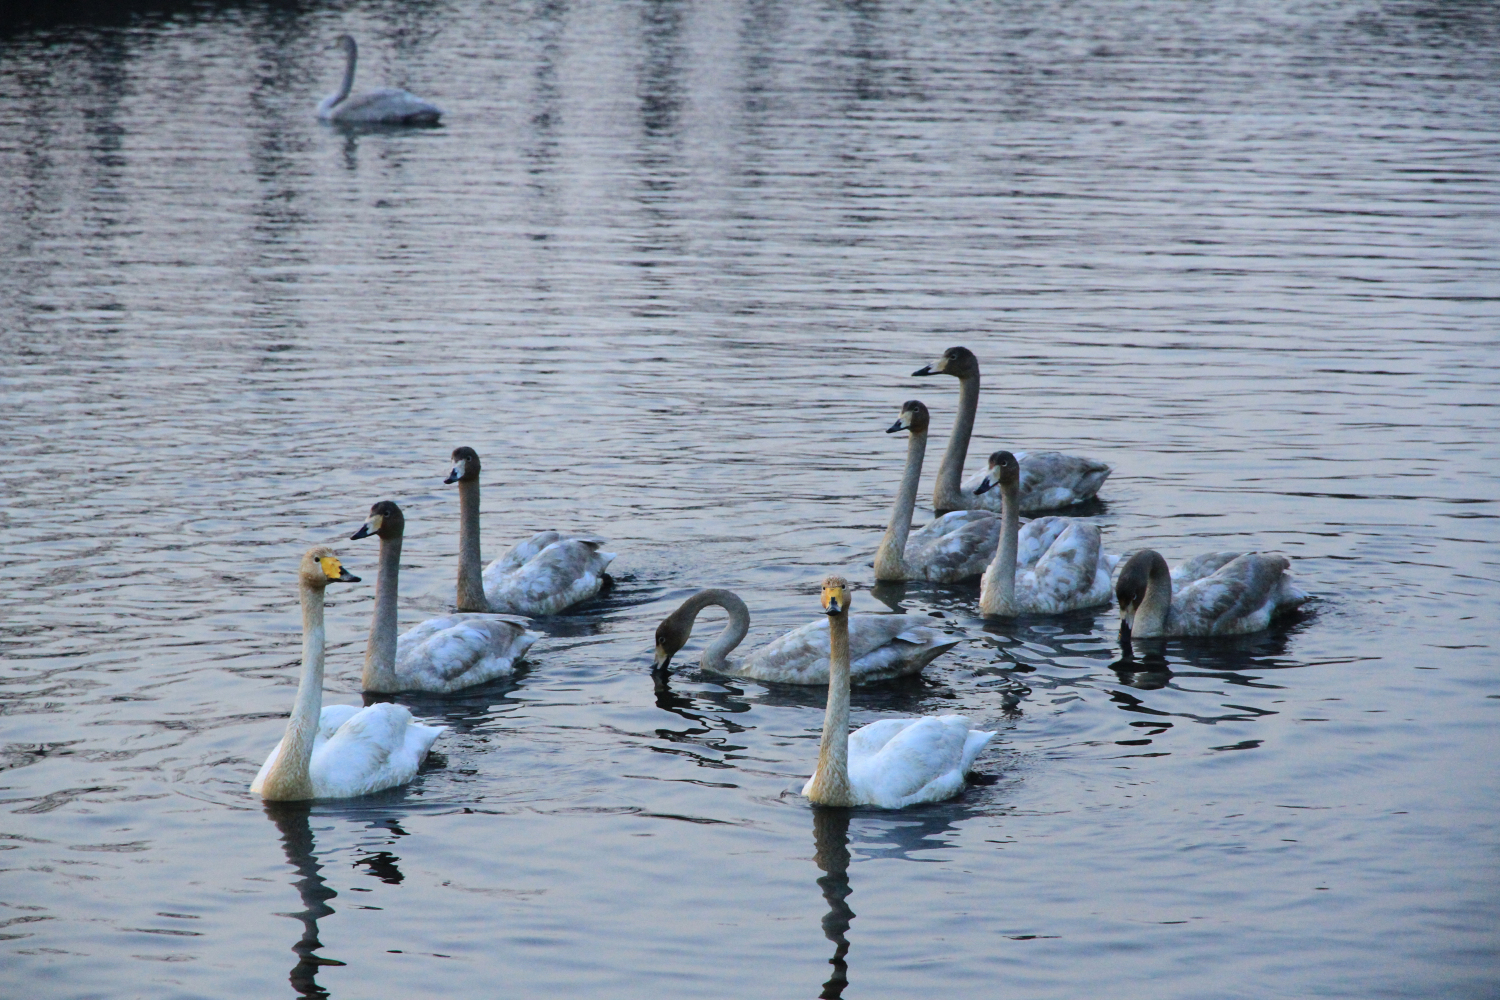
(1050,565)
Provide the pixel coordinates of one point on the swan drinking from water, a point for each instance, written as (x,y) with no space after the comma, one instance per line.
(384,106)
(1219,593)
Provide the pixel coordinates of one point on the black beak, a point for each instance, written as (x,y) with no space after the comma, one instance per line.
(660,666)
(924,370)
(451,478)
(346,577)
(895,427)
(984,487)
(833,607)
(363,532)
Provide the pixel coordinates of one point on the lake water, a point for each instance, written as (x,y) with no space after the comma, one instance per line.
(667,266)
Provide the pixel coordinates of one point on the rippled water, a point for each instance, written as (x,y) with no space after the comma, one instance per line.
(667,267)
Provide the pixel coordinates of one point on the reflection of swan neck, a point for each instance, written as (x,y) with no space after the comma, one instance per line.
(890,558)
(831,846)
(946,494)
(380,652)
(716,655)
(830,786)
(997,592)
(289,778)
(470,578)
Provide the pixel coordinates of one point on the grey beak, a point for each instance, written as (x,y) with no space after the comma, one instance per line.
(984,487)
(452,478)
(364,531)
(924,370)
(895,427)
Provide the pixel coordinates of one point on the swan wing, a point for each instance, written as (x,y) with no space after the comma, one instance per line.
(385,105)
(880,647)
(1068,576)
(1241,596)
(522,551)
(1036,537)
(1201,566)
(895,763)
(459,651)
(1052,479)
(379,746)
(954,547)
(565,572)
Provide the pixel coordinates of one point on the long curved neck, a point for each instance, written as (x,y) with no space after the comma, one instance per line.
(831,782)
(946,491)
(380,651)
(1151,616)
(890,558)
(348,83)
(289,778)
(997,592)
(715,657)
(470,579)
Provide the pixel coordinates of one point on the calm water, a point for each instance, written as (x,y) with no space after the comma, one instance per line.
(667,267)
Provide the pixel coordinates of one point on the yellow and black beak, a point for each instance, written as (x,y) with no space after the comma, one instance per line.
(835,600)
(335,571)
(370,527)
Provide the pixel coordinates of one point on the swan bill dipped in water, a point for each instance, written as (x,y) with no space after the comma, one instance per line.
(383,106)
(1218,593)
(1049,479)
(890,764)
(340,751)
(883,646)
(442,654)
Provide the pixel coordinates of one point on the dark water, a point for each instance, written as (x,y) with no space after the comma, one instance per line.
(666,267)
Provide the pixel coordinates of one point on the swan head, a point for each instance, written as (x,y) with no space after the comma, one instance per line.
(1003,470)
(385,521)
(671,635)
(320,567)
(1135,578)
(345,42)
(913,417)
(956,361)
(836,595)
(465,465)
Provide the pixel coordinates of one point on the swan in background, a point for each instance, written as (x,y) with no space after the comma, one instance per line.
(385,106)
(441,654)
(890,764)
(543,575)
(1049,479)
(1056,564)
(1218,593)
(339,751)
(884,646)
(947,549)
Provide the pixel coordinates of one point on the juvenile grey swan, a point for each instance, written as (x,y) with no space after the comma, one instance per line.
(884,646)
(1218,593)
(890,764)
(543,575)
(340,751)
(1049,479)
(441,654)
(947,549)
(384,106)
(1054,564)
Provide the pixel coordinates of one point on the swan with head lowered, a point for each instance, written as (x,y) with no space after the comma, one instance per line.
(947,549)
(890,764)
(1049,479)
(1054,564)
(385,106)
(441,654)
(1218,593)
(883,646)
(340,751)
(543,575)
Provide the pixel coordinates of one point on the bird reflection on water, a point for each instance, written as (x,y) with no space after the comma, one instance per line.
(831,847)
(293,820)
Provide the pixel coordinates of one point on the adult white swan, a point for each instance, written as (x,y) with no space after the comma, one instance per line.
(1049,479)
(1055,564)
(340,751)
(947,549)
(1218,593)
(884,646)
(543,575)
(890,764)
(441,654)
(384,106)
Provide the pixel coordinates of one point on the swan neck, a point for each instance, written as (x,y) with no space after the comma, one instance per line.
(997,592)
(890,558)
(348,82)
(470,578)
(1156,606)
(831,781)
(716,656)
(380,651)
(947,492)
(289,779)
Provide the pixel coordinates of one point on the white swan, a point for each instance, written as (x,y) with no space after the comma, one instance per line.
(947,549)
(1055,564)
(1049,479)
(885,646)
(385,106)
(890,764)
(543,575)
(1218,593)
(441,654)
(340,751)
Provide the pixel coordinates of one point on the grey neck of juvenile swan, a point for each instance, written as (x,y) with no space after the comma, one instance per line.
(890,558)
(947,494)
(716,656)
(997,592)
(831,781)
(348,83)
(380,651)
(470,578)
(289,778)
(1155,608)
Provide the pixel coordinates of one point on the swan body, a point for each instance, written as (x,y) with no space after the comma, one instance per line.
(950,548)
(1218,593)
(892,763)
(340,751)
(1055,564)
(441,654)
(1049,479)
(545,574)
(385,106)
(882,646)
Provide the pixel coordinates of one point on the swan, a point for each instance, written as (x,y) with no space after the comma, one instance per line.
(1049,479)
(885,646)
(1218,593)
(890,764)
(441,654)
(340,751)
(1055,564)
(543,575)
(950,548)
(385,106)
